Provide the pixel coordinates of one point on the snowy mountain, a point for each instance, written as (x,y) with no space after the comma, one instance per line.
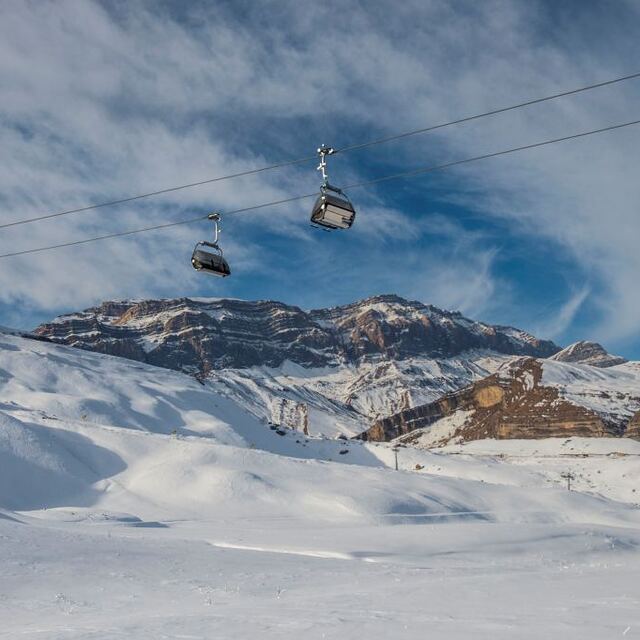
(139,502)
(104,433)
(526,398)
(386,361)
(204,335)
(343,366)
(591,353)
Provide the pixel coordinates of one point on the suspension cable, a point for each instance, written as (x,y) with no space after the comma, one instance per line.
(346,149)
(494,112)
(356,185)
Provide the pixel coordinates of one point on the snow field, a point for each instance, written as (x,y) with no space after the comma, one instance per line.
(138,503)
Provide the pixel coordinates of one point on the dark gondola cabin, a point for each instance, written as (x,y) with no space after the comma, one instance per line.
(210,260)
(333,209)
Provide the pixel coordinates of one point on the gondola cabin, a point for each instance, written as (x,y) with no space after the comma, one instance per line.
(208,258)
(332,209)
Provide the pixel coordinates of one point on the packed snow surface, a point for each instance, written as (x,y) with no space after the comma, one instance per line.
(614,390)
(136,502)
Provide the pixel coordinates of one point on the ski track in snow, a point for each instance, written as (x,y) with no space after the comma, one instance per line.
(137,503)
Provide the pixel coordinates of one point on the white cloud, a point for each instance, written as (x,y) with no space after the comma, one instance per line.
(560,320)
(101,101)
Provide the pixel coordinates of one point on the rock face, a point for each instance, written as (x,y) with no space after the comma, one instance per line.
(406,367)
(633,428)
(347,365)
(197,335)
(590,353)
(517,402)
(204,335)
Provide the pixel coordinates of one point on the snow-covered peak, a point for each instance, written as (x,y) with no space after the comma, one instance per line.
(202,334)
(585,352)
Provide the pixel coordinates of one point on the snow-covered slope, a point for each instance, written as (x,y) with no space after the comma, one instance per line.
(88,430)
(137,502)
(613,391)
(6,330)
(345,399)
(607,466)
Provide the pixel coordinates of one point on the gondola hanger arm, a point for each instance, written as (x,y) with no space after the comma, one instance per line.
(323,152)
(215,217)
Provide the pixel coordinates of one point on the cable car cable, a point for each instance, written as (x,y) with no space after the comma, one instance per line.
(346,149)
(415,132)
(356,185)
(157,193)
(495,154)
(166,225)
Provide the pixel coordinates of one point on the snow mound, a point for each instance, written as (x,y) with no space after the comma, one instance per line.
(40,467)
(136,502)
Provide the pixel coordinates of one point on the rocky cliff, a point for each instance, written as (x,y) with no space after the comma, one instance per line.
(585,352)
(633,428)
(204,335)
(349,364)
(527,398)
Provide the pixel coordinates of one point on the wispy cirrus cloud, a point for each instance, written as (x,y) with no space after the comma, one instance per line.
(559,319)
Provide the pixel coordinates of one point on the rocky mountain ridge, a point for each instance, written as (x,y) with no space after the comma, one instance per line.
(350,364)
(396,363)
(526,398)
(204,335)
(585,352)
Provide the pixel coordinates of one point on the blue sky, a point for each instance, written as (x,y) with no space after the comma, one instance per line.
(104,100)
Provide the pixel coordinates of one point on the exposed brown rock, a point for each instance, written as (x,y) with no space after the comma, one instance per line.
(591,353)
(199,335)
(510,404)
(633,428)
(486,397)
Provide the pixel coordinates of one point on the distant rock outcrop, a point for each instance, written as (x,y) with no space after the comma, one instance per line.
(517,402)
(591,353)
